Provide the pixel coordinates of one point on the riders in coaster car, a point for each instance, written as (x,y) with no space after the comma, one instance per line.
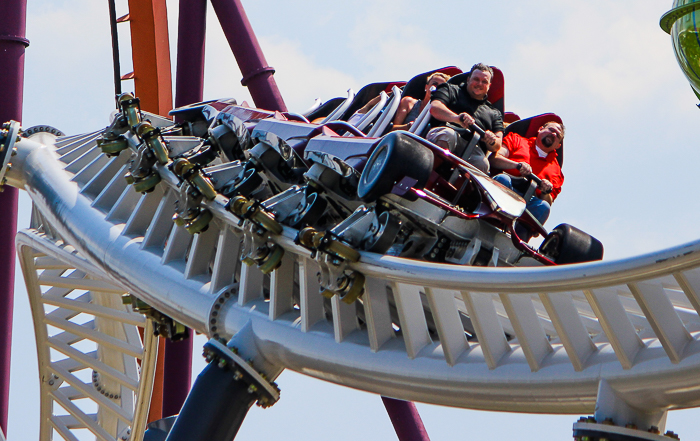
(450,211)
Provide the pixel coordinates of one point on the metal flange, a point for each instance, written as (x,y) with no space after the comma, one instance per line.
(227,358)
(215,312)
(587,430)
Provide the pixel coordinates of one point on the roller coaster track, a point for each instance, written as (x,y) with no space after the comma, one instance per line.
(544,339)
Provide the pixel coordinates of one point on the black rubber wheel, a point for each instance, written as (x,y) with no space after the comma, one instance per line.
(389,227)
(250,181)
(314,209)
(567,244)
(396,156)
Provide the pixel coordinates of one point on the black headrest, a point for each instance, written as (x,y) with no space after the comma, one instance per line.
(326,108)
(416,86)
(366,94)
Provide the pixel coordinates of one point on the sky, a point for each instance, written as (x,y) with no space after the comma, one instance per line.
(604,66)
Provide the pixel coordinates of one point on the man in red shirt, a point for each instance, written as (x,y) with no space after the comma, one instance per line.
(520,156)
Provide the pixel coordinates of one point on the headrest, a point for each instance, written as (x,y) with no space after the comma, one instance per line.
(416,86)
(366,94)
(326,108)
(510,117)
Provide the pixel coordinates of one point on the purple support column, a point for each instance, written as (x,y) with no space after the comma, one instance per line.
(407,423)
(189,85)
(13,21)
(177,376)
(257,75)
(192,26)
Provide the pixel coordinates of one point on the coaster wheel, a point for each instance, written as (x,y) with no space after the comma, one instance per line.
(567,244)
(200,223)
(380,242)
(273,260)
(147,184)
(315,206)
(396,156)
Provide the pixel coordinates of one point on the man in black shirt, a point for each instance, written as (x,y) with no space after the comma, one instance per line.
(464,105)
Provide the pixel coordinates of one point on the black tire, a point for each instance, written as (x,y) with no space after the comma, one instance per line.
(250,182)
(567,244)
(396,156)
(389,227)
(315,207)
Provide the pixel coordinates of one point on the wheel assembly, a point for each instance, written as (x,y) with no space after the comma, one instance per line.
(315,206)
(272,259)
(353,287)
(384,237)
(146,184)
(567,244)
(200,223)
(381,172)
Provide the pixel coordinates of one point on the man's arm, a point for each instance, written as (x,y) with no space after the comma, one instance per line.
(439,111)
(553,184)
(493,141)
(500,162)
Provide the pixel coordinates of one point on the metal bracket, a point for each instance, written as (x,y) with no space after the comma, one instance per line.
(227,358)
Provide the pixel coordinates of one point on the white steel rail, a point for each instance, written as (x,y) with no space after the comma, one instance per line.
(511,339)
(96,368)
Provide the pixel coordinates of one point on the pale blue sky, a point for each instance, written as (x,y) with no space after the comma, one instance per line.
(604,66)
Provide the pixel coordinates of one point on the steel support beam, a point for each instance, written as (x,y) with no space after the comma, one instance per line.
(192,26)
(406,420)
(13,23)
(177,375)
(257,75)
(237,376)
(189,87)
(151,55)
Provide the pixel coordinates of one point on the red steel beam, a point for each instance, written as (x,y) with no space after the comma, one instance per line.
(150,49)
(151,55)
